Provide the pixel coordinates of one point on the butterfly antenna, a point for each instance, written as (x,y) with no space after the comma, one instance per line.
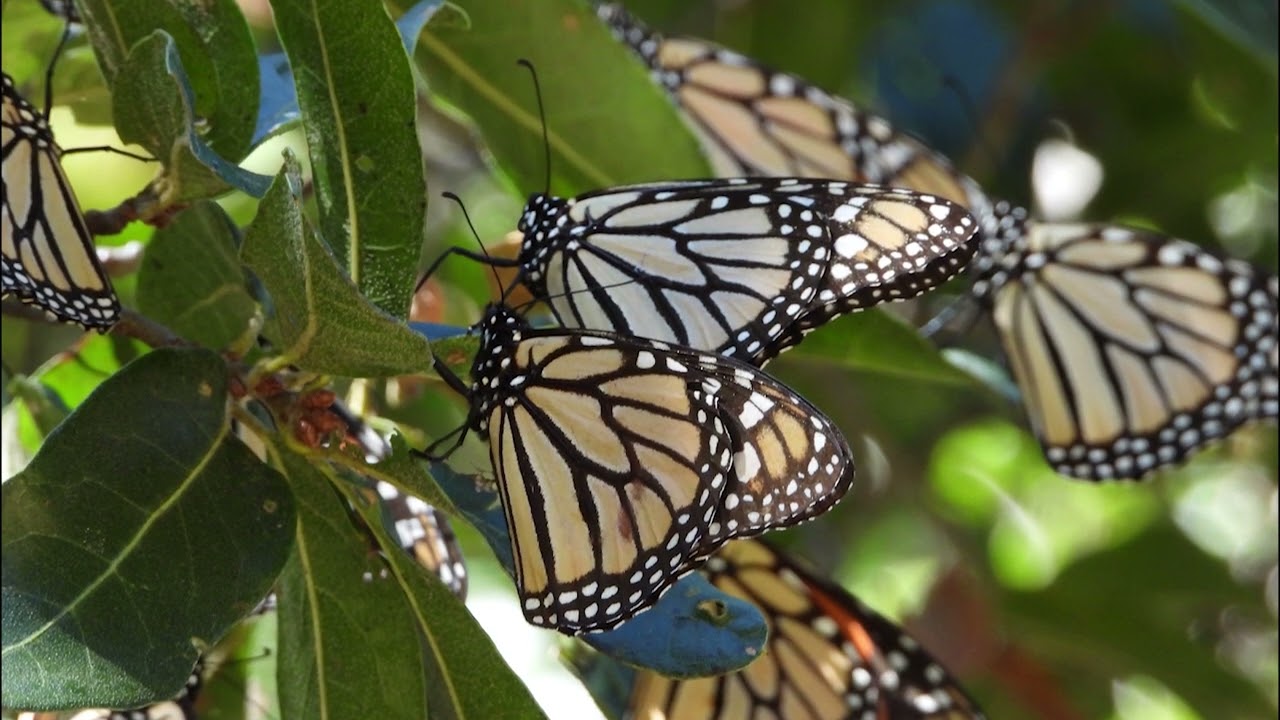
(53,62)
(488,258)
(542,115)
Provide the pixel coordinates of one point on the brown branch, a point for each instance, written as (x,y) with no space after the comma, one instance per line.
(140,327)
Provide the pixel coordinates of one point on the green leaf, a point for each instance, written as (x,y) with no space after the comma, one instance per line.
(407,474)
(154,107)
(634,136)
(217,52)
(876,342)
(359,108)
(192,280)
(466,677)
(139,527)
(344,623)
(326,326)
(75,375)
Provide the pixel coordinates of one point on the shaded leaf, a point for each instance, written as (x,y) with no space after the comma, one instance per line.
(466,677)
(343,620)
(369,181)
(192,281)
(138,527)
(153,107)
(217,52)
(326,326)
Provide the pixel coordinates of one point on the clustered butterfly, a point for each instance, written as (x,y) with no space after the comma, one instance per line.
(1132,349)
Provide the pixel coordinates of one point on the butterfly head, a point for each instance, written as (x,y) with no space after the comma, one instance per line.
(541,223)
(500,332)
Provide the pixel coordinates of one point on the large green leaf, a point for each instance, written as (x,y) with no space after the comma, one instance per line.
(874,341)
(326,325)
(138,527)
(192,280)
(356,92)
(466,677)
(635,136)
(345,627)
(217,52)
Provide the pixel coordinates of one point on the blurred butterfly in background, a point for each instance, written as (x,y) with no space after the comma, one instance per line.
(622,463)
(48,255)
(828,657)
(753,120)
(425,533)
(1132,349)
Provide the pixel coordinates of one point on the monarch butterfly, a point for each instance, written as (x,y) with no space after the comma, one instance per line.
(828,656)
(1101,407)
(622,463)
(1132,349)
(425,533)
(48,257)
(753,120)
(737,266)
(733,265)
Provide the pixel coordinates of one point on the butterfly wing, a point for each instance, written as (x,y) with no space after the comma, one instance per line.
(1133,349)
(48,255)
(731,265)
(828,656)
(425,533)
(753,120)
(622,463)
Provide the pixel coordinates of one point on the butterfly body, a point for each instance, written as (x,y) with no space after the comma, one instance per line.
(48,257)
(622,462)
(730,265)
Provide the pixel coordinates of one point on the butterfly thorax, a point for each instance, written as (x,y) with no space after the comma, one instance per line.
(543,225)
(1003,254)
(492,374)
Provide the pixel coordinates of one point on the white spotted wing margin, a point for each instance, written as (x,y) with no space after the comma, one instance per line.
(623,463)
(1133,349)
(734,265)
